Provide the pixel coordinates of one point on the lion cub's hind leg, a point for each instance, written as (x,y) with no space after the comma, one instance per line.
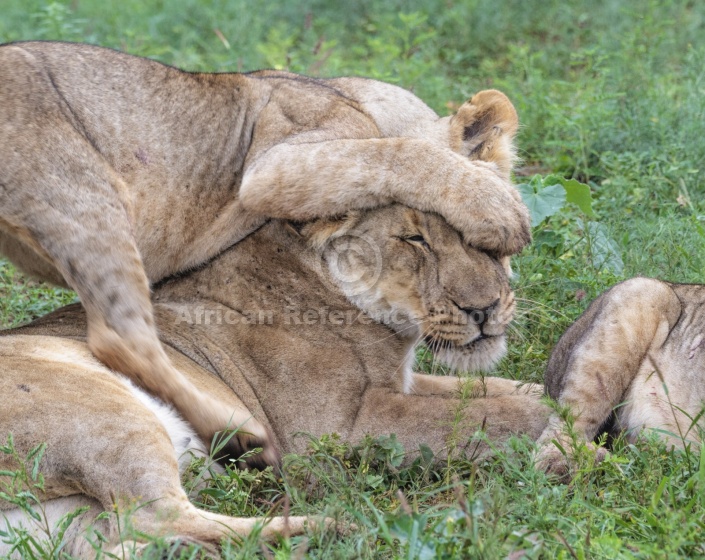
(66,203)
(597,360)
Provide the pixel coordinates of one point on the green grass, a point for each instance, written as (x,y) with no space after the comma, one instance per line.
(611,93)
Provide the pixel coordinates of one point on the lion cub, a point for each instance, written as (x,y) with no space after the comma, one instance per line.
(118,171)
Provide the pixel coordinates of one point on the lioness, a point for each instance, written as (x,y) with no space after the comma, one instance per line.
(634,360)
(117,171)
(308,327)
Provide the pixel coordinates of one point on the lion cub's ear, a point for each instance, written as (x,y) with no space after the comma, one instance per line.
(319,232)
(484,128)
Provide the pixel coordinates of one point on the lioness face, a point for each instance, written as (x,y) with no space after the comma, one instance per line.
(413,272)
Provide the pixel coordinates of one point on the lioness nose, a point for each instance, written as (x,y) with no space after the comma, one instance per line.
(480,316)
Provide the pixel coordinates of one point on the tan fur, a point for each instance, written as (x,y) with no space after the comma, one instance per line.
(273,326)
(637,353)
(117,171)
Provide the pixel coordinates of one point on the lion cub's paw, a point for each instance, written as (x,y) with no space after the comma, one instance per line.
(504,230)
(498,222)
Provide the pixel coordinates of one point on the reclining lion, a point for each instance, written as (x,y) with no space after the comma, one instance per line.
(633,361)
(118,171)
(309,327)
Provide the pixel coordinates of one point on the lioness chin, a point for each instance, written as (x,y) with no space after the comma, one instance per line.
(118,171)
(277,326)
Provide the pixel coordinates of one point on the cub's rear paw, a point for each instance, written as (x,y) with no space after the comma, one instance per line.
(233,432)
(241,445)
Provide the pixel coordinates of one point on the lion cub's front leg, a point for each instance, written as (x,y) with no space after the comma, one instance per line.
(105,270)
(121,333)
(315,175)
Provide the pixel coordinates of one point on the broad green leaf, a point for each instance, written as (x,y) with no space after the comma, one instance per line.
(548,238)
(579,194)
(551,179)
(427,455)
(576,192)
(542,202)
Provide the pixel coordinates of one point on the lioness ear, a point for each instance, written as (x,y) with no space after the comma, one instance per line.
(484,128)
(319,232)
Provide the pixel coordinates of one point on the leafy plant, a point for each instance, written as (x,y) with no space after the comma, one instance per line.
(547,196)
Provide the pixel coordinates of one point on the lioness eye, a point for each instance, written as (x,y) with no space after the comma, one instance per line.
(417,239)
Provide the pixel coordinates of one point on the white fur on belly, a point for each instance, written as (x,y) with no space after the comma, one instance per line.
(184,439)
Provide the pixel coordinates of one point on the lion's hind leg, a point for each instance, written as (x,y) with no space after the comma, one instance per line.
(127,533)
(67,204)
(89,531)
(596,361)
(92,528)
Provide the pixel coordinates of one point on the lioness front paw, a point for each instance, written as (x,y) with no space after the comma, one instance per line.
(561,463)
